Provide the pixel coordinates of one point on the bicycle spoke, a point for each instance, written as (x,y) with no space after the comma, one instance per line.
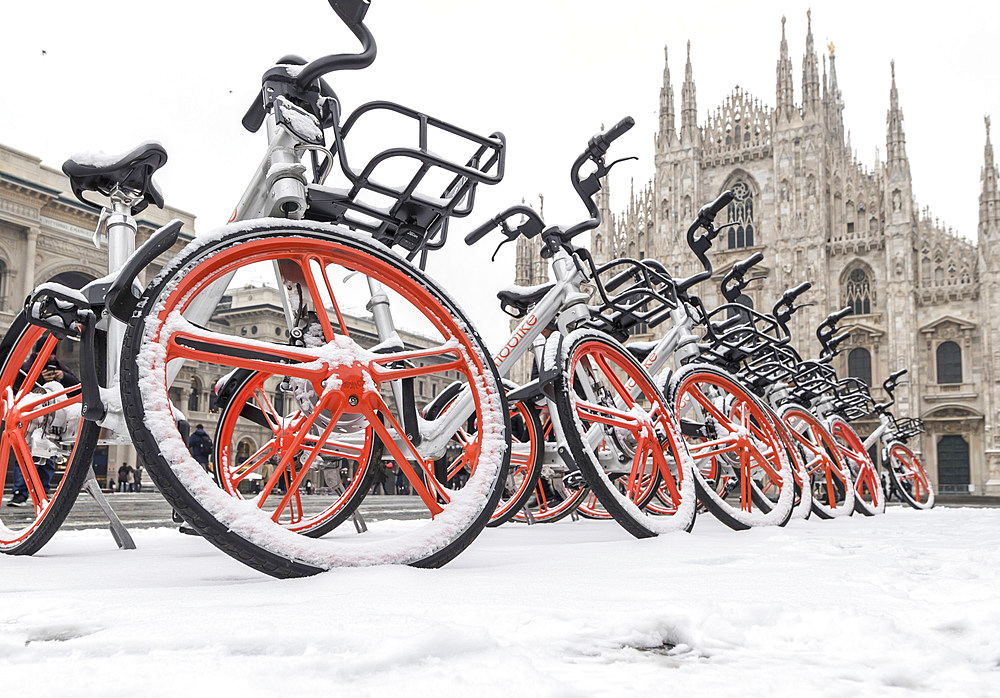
(705,402)
(591,412)
(416,483)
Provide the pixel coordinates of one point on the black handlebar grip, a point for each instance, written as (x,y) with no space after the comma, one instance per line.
(793,293)
(710,211)
(477,234)
(834,341)
(896,376)
(741,268)
(840,314)
(619,128)
(254,118)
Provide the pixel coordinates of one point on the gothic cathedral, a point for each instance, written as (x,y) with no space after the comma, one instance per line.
(923,297)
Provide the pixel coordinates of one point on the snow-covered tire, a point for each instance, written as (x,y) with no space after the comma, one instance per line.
(830,478)
(341,372)
(869,497)
(909,477)
(24,530)
(711,398)
(596,380)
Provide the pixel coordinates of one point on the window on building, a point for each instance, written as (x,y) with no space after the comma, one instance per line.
(3,285)
(953,464)
(858,292)
(279,402)
(741,214)
(859,365)
(949,363)
(195,397)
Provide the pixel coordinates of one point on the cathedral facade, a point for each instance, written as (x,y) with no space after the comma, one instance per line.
(924,298)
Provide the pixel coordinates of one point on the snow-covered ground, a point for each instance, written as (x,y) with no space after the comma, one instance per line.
(905,603)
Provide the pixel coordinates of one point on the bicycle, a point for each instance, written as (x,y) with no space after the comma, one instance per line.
(312,236)
(611,429)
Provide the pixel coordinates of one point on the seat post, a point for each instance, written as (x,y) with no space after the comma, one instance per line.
(121,229)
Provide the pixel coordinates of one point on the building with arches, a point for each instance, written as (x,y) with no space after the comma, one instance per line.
(924,298)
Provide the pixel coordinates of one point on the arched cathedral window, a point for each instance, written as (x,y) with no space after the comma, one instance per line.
(741,213)
(859,365)
(858,292)
(949,363)
(3,284)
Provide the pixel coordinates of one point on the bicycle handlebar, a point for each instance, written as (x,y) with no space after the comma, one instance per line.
(708,212)
(585,187)
(529,229)
(352,13)
(791,294)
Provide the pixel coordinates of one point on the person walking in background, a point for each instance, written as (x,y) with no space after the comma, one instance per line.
(138,477)
(200,446)
(123,477)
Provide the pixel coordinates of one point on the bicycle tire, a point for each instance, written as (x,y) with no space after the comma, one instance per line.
(157,333)
(717,402)
(829,476)
(869,497)
(592,357)
(21,532)
(908,474)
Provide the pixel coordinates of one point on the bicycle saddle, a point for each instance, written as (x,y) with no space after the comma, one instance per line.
(520,298)
(131,172)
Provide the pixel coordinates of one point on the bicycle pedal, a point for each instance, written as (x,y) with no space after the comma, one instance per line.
(57,308)
(574,480)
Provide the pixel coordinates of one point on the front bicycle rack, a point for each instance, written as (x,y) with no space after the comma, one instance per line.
(405,195)
(633,295)
(755,342)
(813,379)
(907,428)
(854,399)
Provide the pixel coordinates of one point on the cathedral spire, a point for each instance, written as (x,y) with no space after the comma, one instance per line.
(785,98)
(989,197)
(895,140)
(667,133)
(834,103)
(810,73)
(689,106)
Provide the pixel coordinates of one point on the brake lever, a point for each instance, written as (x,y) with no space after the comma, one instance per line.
(602,169)
(497,250)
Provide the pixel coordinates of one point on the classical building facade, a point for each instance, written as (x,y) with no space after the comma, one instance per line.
(924,298)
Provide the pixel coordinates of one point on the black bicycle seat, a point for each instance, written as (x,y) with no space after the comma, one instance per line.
(521,298)
(131,171)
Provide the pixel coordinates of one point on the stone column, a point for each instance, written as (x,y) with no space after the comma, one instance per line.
(29,263)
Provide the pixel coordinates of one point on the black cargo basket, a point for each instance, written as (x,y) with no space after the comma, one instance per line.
(756,339)
(813,379)
(633,295)
(907,428)
(854,399)
(427,188)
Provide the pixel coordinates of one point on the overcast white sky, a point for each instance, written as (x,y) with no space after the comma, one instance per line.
(547,74)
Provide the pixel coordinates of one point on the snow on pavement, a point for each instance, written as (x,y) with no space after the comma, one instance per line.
(901,604)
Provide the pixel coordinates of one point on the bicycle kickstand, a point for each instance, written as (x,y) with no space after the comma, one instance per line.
(118,530)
